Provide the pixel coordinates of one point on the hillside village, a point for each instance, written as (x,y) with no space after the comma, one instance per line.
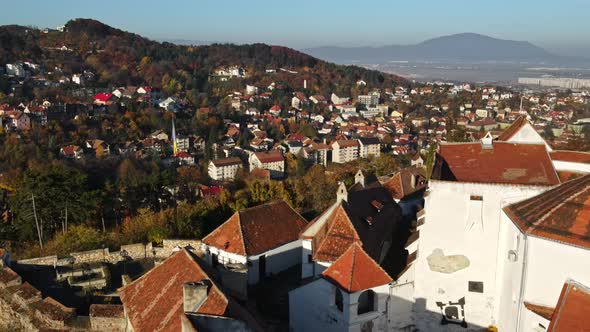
(268,198)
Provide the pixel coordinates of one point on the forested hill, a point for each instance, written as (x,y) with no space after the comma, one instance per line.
(122,58)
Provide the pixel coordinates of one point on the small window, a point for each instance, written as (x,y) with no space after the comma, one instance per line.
(476,198)
(338,299)
(476,286)
(309,259)
(366,302)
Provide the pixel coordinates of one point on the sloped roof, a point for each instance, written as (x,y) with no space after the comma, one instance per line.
(543,311)
(270,156)
(400,184)
(571,156)
(258,229)
(513,129)
(503,162)
(560,214)
(154,302)
(336,237)
(355,271)
(571,313)
(227,161)
(347,143)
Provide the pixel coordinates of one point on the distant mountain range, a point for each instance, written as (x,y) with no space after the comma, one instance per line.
(470,47)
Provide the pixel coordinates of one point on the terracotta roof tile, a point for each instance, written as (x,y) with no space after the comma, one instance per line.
(227,162)
(540,310)
(154,302)
(571,313)
(270,156)
(355,271)
(333,239)
(513,129)
(560,214)
(256,230)
(505,163)
(400,184)
(347,143)
(571,156)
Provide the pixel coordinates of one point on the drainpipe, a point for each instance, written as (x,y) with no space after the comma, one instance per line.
(522,281)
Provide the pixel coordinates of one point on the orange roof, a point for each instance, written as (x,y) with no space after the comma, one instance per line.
(347,143)
(571,156)
(258,229)
(269,156)
(543,311)
(560,214)
(571,313)
(355,271)
(513,129)
(154,302)
(339,236)
(503,162)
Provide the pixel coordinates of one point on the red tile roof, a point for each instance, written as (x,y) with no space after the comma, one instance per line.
(400,185)
(350,143)
(154,302)
(258,229)
(513,129)
(103,97)
(571,313)
(227,162)
(560,214)
(355,271)
(270,156)
(335,237)
(571,156)
(540,310)
(506,163)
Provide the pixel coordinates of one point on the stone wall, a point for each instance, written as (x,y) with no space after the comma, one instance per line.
(107,317)
(12,318)
(134,251)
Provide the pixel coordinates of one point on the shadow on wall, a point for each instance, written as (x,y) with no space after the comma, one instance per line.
(414,317)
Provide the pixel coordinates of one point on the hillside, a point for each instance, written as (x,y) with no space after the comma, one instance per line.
(123,58)
(458,47)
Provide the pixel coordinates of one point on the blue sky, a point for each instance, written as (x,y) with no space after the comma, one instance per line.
(559,25)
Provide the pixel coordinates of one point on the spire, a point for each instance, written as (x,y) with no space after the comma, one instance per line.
(360,178)
(342,193)
(174,146)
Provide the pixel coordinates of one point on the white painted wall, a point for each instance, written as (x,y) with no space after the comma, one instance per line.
(571,167)
(277,259)
(312,308)
(528,134)
(460,226)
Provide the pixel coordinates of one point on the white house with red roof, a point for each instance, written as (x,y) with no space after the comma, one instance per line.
(458,249)
(263,239)
(273,161)
(351,295)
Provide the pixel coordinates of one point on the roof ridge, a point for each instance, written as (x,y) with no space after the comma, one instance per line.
(242,233)
(332,226)
(217,229)
(353,246)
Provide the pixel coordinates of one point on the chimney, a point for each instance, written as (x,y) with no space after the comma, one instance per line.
(341,194)
(360,178)
(194,294)
(486,141)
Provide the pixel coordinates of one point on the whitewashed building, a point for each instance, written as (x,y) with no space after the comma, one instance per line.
(344,151)
(265,238)
(224,169)
(273,161)
(369,147)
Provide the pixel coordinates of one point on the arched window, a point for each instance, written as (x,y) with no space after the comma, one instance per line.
(366,302)
(338,300)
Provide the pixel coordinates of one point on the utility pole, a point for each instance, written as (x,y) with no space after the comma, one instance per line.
(37,222)
(66,216)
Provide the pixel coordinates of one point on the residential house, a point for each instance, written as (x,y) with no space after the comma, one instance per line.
(224,169)
(264,239)
(71,152)
(272,161)
(369,147)
(184,158)
(183,297)
(336,100)
(344,151)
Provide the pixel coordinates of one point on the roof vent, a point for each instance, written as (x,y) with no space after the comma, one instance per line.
(486,141)
(195,294)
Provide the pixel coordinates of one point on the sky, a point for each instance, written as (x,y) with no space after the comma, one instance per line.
(561,26)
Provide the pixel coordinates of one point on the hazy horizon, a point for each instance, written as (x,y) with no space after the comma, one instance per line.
(556,26)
